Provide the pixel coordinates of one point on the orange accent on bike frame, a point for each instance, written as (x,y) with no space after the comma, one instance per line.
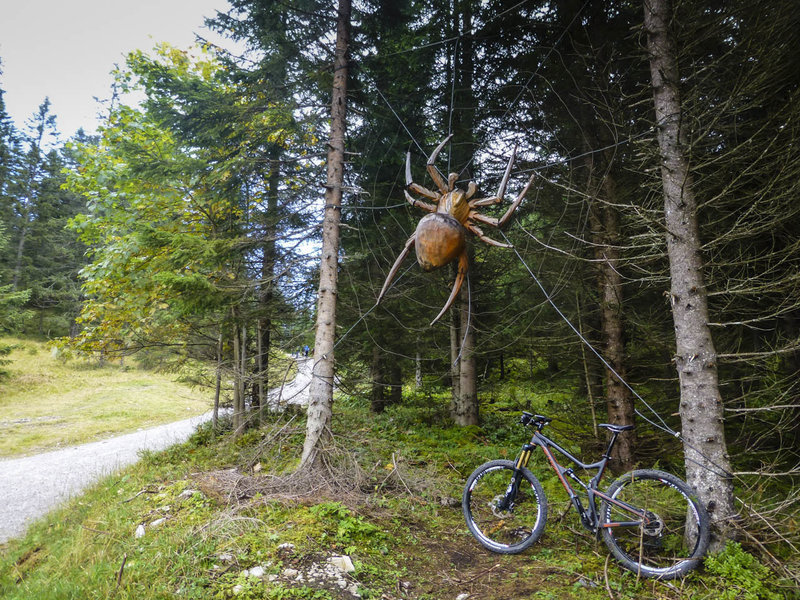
(553,464)
(630,509)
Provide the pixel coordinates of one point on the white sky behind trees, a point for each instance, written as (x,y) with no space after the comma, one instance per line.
(65,50)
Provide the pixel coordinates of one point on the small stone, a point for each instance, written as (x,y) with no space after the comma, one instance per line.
(188,493)
(257,571)
(257,468)
(342,562)
(139,531)
(226,557)
(286,548)
(462,596)
(157,522)
(353,589)
(272,577)
(290,573)
(237,589)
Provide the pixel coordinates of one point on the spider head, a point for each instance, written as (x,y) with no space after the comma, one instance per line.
(456,204)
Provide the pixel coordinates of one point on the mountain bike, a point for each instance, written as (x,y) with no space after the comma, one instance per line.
(651,521)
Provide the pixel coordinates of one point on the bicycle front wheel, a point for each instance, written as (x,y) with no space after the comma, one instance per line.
(654,524)
(505,508)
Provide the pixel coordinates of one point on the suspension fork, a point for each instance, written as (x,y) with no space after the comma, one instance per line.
(516,478)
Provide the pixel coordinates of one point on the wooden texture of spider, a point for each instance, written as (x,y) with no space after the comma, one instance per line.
(440,237)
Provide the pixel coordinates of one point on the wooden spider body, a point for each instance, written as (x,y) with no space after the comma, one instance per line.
(440,237)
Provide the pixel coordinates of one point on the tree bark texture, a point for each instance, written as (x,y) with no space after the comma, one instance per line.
(455,366)
(466,409)
(238,400)
(701,410)
(619,402)
(418,368)
(321,391)
(218,384)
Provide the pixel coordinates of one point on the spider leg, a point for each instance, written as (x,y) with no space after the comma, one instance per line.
(474,215)
(414,187)
(474,229)
(414,202)
(437,179)
(463,265)
(472,187)
(502,220)
(485,201)
(395,267)
(501,191)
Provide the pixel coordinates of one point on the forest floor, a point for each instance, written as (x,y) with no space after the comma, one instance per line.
(218,518)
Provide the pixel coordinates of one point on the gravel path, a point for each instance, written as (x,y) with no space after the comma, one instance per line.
(32,486)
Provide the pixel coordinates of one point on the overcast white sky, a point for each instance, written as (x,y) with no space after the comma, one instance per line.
(65,49)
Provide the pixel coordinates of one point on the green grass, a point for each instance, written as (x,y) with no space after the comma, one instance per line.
(404,532)
(47,403)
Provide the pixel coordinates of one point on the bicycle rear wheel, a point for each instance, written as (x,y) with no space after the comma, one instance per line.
(505,514)
(672,538)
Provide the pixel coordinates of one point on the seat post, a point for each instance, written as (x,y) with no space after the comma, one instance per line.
(614,435)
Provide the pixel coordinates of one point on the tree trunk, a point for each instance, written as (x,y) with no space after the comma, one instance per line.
(619,402)
(238,400)
(701,407)
(321,390)
(466,410)
(218,386)
(418,369)
(455,366)
(268,275)
(586,375)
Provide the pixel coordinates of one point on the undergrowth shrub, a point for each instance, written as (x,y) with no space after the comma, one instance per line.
(745,578)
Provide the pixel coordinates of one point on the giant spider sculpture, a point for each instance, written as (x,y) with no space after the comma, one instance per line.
(440,237)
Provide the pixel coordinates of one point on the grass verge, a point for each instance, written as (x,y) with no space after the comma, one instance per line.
(47,403)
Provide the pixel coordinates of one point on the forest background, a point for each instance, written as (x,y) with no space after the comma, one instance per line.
(189,227)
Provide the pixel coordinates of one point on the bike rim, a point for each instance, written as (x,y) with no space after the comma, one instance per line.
(503,528)
(671,532)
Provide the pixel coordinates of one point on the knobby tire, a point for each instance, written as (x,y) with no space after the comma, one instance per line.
(676,536)
(511,530)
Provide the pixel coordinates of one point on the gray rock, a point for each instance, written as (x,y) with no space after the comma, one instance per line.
(257,571)
(342,562)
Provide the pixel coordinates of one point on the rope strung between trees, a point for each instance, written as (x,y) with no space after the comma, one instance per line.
(662,425)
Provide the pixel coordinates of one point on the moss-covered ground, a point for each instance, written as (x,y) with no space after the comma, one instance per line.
(173,526)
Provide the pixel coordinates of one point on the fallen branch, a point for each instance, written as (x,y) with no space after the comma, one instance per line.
(121,569)
(605,576)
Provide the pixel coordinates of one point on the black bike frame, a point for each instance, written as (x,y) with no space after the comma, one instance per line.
(589,518)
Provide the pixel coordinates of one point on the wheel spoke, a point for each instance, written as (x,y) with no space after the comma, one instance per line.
(521,520)
(668,539)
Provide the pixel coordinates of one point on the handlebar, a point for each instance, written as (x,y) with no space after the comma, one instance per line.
(537,421)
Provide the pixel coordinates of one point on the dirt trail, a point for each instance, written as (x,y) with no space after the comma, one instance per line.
(32,486)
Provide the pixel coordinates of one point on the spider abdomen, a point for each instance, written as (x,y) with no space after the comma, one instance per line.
(440,239)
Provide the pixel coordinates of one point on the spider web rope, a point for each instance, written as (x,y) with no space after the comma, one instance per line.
(662,425)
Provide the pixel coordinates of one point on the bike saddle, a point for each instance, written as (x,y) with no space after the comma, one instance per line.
(615,428)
